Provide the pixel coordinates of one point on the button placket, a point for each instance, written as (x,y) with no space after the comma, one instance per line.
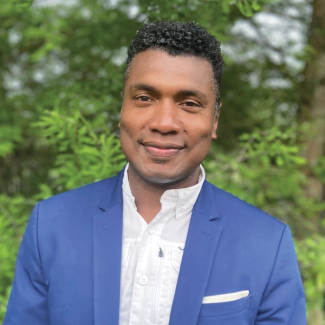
(139,287)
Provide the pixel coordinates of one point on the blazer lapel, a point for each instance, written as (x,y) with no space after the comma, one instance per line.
(107,250)
(201,243)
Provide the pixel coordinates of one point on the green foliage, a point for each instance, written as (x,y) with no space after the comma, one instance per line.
(14,213)
(83,156)
(312,260)
(319,169)
(3,302)
(267,172)
(247,8)
(15,6)
(9,137)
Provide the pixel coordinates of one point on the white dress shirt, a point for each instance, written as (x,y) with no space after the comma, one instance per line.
(152,254)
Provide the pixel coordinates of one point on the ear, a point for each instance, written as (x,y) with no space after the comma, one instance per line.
(215,123)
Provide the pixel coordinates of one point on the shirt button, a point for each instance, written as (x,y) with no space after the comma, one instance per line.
(143,280)
(151,230)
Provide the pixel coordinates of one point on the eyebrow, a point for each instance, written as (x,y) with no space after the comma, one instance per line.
(181,93)
(143,87)
(194,93)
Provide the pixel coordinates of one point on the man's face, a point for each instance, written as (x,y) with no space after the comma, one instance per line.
(167,117)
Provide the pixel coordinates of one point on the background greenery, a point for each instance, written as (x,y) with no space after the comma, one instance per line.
(61,73)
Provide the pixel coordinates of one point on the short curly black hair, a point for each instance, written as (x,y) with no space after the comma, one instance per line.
(175,38)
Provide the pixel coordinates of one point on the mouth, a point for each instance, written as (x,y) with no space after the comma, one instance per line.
(162,149)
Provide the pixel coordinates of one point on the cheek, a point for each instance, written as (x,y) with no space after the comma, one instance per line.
(131,121)
(200,134)
(127,127)
(125,134)
(129,134)
(200,140)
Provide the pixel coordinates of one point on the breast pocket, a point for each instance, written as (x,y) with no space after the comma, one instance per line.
(225,313)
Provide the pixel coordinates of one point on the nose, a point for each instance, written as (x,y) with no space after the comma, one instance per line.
(165,118)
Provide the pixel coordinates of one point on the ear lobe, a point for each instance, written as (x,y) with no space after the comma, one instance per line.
(214,130)
(119,124)
(215,124)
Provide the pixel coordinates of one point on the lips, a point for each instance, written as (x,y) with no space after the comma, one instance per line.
(162,149)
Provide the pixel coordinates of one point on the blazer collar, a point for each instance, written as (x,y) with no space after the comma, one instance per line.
(113,195)
(107,251)
(206,203)
(199,253)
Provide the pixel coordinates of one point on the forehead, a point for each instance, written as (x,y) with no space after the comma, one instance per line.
(159,68)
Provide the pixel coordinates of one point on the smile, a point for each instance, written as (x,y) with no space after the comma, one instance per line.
(162,150)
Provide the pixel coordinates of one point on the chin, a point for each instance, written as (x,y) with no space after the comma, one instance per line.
(163,174)
(162,179)
(159,177)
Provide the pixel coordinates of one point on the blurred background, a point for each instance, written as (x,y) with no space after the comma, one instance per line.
(61,74)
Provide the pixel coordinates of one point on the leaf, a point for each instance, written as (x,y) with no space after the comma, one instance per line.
(256,6)
(248,9)
(279,161)
(241,7)
(225,7)
(244,8)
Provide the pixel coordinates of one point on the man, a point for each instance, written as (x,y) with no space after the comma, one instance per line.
(157,244)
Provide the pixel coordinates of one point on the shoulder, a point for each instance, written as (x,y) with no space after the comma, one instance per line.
(248,230)
(83,199)
(237,213)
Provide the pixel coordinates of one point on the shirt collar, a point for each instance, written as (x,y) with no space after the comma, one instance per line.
(183,198)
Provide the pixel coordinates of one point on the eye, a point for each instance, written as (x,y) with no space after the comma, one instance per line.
(143,98)
(190,104)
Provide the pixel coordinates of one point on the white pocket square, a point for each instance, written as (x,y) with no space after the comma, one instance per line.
(225,297)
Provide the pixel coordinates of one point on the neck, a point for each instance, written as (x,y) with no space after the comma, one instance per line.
(147,194)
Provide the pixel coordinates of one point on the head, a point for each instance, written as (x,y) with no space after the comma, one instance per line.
(179,39)
(171,100)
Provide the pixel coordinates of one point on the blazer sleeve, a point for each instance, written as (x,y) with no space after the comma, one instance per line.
(28,300)
(283,301)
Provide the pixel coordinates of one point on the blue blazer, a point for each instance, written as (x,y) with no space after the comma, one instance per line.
(69,263)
